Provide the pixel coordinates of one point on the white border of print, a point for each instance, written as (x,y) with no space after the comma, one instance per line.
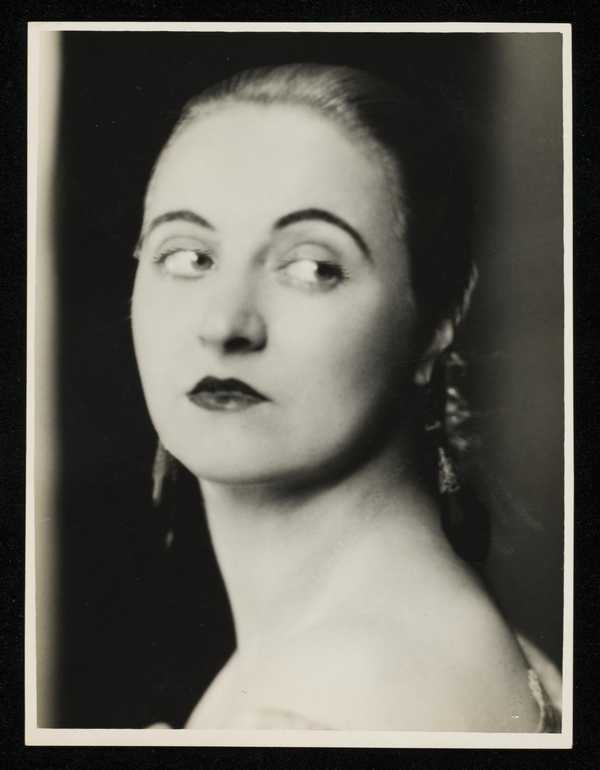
(42,92)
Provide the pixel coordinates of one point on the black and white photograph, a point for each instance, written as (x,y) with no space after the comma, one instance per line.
(299,385)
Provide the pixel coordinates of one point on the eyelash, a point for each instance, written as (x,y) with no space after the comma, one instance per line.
(339,274)
(162,257)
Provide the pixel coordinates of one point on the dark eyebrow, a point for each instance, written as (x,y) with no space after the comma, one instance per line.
(324,216)
(182,215)
(302,215)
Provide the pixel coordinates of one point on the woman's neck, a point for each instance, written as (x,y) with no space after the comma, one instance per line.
(286,557)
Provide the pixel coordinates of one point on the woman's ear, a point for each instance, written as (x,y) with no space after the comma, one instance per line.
(442,339)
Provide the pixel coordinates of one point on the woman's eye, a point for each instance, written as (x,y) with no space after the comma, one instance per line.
(314,273)
(185,263)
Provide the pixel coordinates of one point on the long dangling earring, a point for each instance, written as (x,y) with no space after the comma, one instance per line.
(436,427)
(447,479)
(164,469)
(464,518)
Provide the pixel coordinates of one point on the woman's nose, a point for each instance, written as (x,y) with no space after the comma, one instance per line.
(231,320)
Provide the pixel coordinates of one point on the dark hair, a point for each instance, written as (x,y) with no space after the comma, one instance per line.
(418,152)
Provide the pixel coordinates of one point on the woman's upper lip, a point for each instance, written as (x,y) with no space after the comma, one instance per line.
(229,385)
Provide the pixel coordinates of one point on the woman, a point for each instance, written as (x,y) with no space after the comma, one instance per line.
(301,278)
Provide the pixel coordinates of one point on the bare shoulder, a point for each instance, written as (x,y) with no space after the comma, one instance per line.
(471,669)
(455,668)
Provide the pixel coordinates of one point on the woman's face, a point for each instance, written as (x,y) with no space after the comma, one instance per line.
(273,316)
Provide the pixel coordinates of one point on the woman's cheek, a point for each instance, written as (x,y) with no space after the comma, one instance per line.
(370,339)
(154,334)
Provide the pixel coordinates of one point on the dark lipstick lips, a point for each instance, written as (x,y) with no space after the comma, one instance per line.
(226,395)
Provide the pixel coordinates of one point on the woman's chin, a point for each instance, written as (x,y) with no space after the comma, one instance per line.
(247,458)
(291,478)
(253,467)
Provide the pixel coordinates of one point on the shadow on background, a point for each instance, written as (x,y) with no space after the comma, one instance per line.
(143,628)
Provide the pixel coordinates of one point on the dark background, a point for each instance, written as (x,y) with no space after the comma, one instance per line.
(142,629)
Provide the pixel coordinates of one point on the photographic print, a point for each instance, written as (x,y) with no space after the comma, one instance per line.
(299,401)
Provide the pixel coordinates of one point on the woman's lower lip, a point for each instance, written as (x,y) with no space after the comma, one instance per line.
(225,401)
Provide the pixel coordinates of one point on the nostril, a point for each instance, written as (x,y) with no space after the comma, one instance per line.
(238,344)
(232,329)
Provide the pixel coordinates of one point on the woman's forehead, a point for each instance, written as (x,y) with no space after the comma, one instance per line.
(248,154)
